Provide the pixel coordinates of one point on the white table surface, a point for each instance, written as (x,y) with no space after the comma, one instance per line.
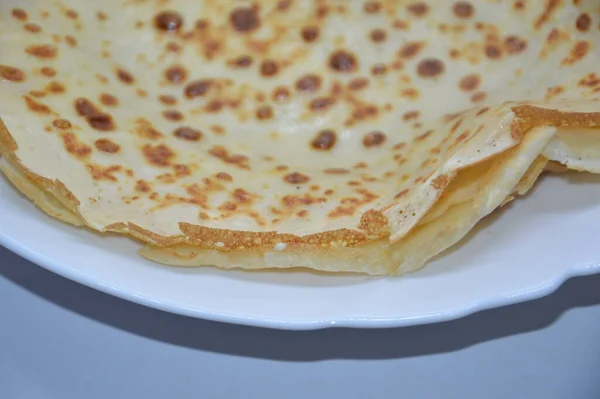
(59,339)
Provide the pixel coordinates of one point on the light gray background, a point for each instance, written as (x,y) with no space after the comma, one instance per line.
(61,340)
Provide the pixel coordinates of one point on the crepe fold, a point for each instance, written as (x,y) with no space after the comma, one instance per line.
(342,136)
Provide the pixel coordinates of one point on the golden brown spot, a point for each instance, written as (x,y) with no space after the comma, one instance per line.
(42,51)
(463,9)
(55,88)
(197,88)
(223,154)
(372,7)
(182,170)
(172,115)
(296,178)
(19,14)
(430,68)
(336,88)
(343,61)
(284,5)
(167,99)
(99,172)
(62,124)
(244,19)
(478,97)
(469,82)
(145,130)
(335,171)
(142,186)
(514,44)
(358,83)
(463,136)
(411,49)
(374,139)
(310,33)
(49,72)
(401,193)
(281,94)
(31,27)
(11,73)
(378,70)
(309,82)
(85,107)
(201,24)
(520,5)
(418,9)
(493,52)
(398,65)
(227,206)
(553,91)
(410,115)
(203,216)
(101,122)
(224,176)
(214,106)
(441,182)
(549,9)
(101,16)
(321,103)
(268,68)
(378,35)
(400,25)
(264,112)
(242,196)
(106,145)
(168,21)
(173,47)
(242,61)
(93,115)
(71,41)
(578,52)
(187,133)
(482,111)
(590,80)
(324,140)
(159,155)
(456,125)
(125,76)
(423,136)
(36,106)
(72,14)
(217,129)
(303,213)
(109,100)
(175,74)
(411,93)
(364,112)
(73,146)
(583,22)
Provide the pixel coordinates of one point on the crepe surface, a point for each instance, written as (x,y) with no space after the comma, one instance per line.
(356,136)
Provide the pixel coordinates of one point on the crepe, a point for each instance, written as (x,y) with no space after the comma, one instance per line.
(354,136)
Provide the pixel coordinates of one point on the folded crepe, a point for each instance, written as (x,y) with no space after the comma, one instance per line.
(342,136)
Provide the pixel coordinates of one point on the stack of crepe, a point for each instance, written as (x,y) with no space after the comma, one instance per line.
(338,135)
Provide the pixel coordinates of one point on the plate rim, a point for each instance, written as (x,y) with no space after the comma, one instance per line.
(362,322)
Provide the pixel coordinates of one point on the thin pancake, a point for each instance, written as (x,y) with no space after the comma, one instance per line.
(287,128)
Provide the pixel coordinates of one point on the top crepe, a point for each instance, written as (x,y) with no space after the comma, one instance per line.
(294,133)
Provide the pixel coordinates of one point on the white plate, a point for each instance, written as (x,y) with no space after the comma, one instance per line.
(522,252)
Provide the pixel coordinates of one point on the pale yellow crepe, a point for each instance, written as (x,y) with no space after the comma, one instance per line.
(355,136)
